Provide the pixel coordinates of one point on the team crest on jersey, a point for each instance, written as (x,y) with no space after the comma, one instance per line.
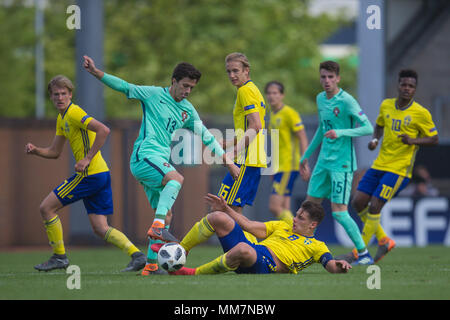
(166,164)
(407,120)
(184,116)
(66,127)
(307,241)
(336,111)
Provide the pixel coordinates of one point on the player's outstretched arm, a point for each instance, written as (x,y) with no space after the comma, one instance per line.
(89,65)
(338,266)
(258,229)
(51,152)
(109,80)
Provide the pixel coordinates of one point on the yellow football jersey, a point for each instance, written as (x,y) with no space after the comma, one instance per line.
(295,251)
(415,121)
(249,100)
(287,121)
(73,126)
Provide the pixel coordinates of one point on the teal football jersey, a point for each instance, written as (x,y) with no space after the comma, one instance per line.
(162,116)
(340,113)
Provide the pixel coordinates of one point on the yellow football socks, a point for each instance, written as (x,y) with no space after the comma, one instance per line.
(379,232)
(363,214)
(199,233)
(218,265)
(54,230)
(118,239)
(370,227)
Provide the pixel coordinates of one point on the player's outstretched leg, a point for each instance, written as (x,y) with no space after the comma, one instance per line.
(363,256)
(218,265)
(166,200)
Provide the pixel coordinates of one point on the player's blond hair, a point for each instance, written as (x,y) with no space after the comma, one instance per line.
(237,56)
(60,81)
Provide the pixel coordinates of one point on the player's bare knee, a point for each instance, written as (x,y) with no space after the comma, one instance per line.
(45,211)
(243,250)
(376,205)
(100,230)
(216,218)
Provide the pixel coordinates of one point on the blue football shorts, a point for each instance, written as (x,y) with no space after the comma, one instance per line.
(382,184)
(264,260)
(242,191)
(283,182)
(94,190)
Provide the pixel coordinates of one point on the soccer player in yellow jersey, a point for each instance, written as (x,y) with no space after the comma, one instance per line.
(404,125)
(248,143)
(292,143)
(285,248)
(91,182)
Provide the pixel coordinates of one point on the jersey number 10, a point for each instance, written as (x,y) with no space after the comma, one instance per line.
(396,124)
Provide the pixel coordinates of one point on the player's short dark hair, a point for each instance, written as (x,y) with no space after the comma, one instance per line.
(408,73)
(329,65)
(275,83)
(186,70)
(315,210)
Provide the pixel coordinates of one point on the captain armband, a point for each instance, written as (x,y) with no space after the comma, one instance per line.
(325,258)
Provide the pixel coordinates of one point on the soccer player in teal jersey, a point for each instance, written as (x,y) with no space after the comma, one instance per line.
(333,173)
(165,109)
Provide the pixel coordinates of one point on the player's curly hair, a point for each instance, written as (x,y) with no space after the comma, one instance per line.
(61,82)
(315,210)
(186,70)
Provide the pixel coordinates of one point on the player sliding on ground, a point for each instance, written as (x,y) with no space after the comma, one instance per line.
(91,181)
(285,248)
(165,110)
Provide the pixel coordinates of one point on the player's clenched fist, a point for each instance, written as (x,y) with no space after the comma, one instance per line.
(30,148)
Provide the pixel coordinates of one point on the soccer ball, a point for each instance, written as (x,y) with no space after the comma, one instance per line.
(171,256)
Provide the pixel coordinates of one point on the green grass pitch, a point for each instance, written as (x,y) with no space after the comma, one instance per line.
(406,273)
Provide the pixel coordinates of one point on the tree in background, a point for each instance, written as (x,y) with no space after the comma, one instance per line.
(145,39)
